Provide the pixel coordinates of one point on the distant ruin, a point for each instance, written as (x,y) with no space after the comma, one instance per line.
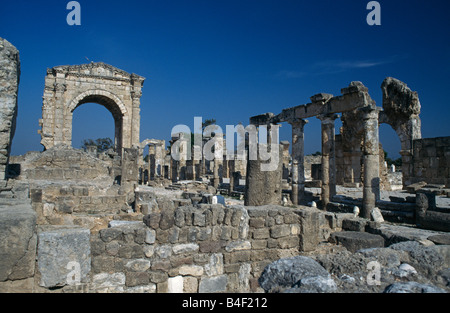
(119,221)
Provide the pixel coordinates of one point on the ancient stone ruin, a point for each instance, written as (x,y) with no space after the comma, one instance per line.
(118,221)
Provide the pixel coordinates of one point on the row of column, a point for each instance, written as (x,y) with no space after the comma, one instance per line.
(371,191)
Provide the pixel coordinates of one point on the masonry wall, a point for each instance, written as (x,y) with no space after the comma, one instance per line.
(210,248)
(204,248)
(431,160)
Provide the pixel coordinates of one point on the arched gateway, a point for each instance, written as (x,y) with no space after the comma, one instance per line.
(68,87)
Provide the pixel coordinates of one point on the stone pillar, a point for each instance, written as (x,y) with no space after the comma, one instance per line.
(263,187)
(136,93)
(264,177)
(9,86)
(371,161)
(130,168)
(298,158)
(58,122)
(136,118)
(328,158)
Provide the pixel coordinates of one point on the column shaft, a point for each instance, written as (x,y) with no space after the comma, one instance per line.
(298,157)
(371,190)
(328,159)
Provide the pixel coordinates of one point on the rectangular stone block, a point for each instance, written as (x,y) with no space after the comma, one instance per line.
(64,255)
(18,242)
(213,284)
(279,231)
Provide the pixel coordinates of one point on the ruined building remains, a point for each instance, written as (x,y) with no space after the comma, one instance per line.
(68,87)
(113,221)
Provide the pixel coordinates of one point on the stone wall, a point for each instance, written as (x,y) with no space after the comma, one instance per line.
(203,248)
(431,160)
(68,164)
(208,248)
(9,85)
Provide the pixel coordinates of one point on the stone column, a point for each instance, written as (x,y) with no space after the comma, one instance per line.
(263,178)
(371,161)
(328,158)
(130,169)
(263,187)
(59,111)
(298,157)
(136,117)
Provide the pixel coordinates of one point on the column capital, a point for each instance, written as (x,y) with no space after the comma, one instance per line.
(370,112)
(325,118)
(298,122)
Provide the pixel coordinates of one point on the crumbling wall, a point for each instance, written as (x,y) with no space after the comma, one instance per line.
(68,164)
(401,110)
(431,161)
(9,85)
(208,248)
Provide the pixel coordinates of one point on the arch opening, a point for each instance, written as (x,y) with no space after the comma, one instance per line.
(90,108)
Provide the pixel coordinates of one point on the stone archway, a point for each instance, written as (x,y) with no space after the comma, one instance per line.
(107,99)
(68,87)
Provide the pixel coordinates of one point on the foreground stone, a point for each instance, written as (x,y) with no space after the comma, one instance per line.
(17,242)
(64,255)
(299,272)
(355,241)
(413,287)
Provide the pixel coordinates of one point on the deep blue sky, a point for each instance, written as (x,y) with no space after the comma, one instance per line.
(230,60)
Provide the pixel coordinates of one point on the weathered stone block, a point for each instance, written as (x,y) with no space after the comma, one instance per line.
(175,284)
(62,252)
(138,265)
(185,248)
(190,284)
(259,244)
(107,281)
(210,246)
(213,284)
(109,234)
(354,224)
(215,265)
(131,251)
(18,242)
(288,242)
(152,220)
(257,222)
(137,279)
(191,270)
(261,233)
(310,225)
(355,241)
(280,231)
(238,245)
(97,247)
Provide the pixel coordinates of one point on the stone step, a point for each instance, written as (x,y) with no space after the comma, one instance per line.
(355,240)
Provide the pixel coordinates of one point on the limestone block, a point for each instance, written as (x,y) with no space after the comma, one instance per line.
(64,255)
(17,241)
(355,241)
(191,270)
(213,284)
(175,284)
(106,282)
(215,265)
